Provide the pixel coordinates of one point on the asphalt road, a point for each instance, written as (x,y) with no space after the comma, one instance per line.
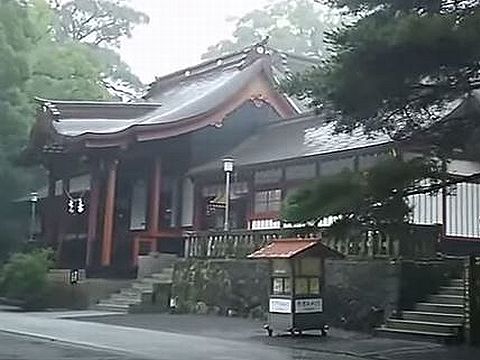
(137,343)
(15,347)
(144,337)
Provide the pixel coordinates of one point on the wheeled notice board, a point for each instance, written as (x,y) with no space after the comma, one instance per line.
(297,284)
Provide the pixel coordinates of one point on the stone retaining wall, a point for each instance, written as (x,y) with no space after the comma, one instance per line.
(358,294)
(223,287)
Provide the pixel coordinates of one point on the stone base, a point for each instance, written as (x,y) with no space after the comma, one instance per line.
(84,294)
(222,287)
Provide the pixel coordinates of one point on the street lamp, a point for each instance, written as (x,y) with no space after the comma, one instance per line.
(228,169)
(33,214)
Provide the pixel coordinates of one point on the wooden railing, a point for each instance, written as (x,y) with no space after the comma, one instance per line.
(231,244)
(239,243)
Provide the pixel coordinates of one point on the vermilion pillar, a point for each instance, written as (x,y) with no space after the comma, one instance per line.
(154,198)
(93,203)
(109,213)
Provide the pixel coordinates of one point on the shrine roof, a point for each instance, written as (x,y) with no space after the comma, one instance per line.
(296,138)
(289,248)
(181,96)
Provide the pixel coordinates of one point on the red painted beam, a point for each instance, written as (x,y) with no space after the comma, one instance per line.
(107,240)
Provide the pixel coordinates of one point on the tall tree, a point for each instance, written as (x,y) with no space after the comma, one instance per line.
(97,22)
(16,38)
(101,24)
(400,66)
(67,70)
(296,26)
(36,61)
(361,201)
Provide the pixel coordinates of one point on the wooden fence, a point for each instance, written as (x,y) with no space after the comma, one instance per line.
(372,244)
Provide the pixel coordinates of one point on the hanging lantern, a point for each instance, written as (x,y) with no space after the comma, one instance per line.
(80,206)
(76,206)
(71,206)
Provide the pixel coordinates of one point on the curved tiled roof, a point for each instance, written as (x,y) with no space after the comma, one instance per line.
(183,95)
(296,138)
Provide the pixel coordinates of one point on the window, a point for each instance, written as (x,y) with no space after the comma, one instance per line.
(281,286)
(307,286)
(268,201)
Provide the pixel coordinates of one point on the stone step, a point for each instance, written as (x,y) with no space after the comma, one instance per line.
(446,299)
(417,335)
(433,317)
(121,301)
(457,282)
(440,308)
(141,286)
(123,297)
(423,326)
(130,291)
(106,306)
(451,290)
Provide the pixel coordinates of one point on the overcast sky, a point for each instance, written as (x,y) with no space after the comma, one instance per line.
(179,32)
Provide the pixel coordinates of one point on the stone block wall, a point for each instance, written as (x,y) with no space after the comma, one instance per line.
(223,287)
(359,294)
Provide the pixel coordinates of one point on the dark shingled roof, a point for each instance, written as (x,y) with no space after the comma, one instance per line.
(293,139)
(185,94)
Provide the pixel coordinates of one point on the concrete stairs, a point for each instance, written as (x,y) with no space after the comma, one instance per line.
(440,318)
(147,294)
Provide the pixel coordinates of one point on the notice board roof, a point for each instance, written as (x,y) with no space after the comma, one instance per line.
(290,248)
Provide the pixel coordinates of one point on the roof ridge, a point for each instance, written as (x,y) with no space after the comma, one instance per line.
(258,49)
(200,65)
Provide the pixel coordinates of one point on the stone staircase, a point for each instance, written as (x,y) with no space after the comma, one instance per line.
(439,318)
(150,293)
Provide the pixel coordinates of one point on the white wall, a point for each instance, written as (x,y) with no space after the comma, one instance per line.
(187,202)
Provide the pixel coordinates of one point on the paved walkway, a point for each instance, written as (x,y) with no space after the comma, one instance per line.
(196,337)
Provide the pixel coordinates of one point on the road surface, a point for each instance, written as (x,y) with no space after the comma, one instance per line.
(15,347)
(145,337)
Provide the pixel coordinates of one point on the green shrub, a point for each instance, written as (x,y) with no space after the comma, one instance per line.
(24,278)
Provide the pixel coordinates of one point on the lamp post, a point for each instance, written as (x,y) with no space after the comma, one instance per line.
(33,215)
(228,169)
